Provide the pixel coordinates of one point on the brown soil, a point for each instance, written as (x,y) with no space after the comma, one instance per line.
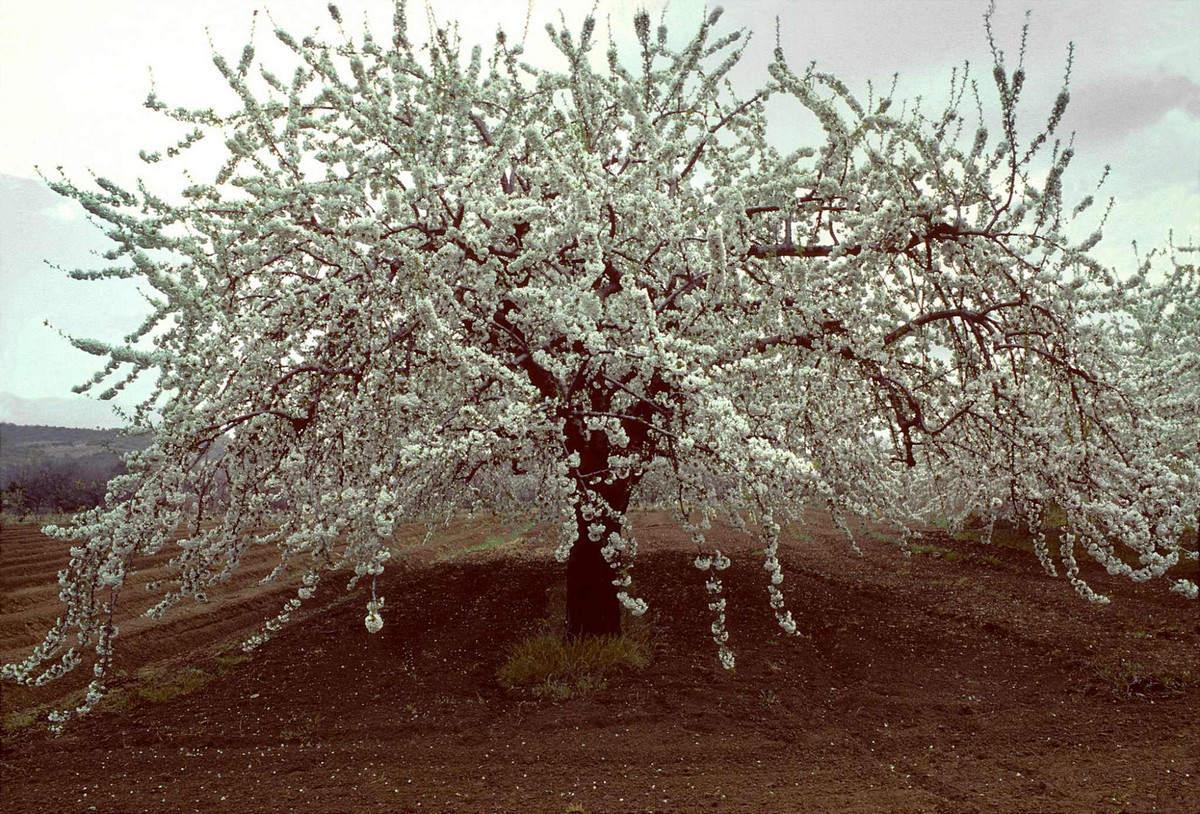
(927,685)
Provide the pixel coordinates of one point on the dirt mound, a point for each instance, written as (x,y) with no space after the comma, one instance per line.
(958,680)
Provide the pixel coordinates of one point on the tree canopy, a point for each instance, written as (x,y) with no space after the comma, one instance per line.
(427,280)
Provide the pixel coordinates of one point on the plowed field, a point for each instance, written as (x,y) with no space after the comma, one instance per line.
(962,679)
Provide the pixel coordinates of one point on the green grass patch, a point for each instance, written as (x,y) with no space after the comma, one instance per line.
(557,667)
(950,555)
(151,685)
(17,720)
(185,682)
(229,657)
(499,540)
(936,552)
(1126,679)
(495,541)
(155,686)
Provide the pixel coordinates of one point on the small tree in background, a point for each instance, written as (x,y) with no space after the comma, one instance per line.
(57,485)
(14,502)
(425,281)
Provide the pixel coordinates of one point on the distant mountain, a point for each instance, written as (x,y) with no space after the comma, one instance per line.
(59,412)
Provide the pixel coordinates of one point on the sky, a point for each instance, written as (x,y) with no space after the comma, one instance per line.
(74,75)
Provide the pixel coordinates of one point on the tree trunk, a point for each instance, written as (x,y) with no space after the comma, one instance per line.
(592,606)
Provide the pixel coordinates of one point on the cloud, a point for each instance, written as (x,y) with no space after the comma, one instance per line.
(1115,107)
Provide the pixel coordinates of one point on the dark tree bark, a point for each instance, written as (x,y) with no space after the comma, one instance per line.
(592,605)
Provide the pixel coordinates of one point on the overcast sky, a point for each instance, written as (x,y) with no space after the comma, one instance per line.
(74,74)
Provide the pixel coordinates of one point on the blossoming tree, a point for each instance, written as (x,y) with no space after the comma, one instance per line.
(425,280)
(1160,324)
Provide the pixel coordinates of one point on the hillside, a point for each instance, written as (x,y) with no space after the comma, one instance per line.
(30,447)
(53,469)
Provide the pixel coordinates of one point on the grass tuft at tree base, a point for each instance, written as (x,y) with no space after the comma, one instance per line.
(559,667)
